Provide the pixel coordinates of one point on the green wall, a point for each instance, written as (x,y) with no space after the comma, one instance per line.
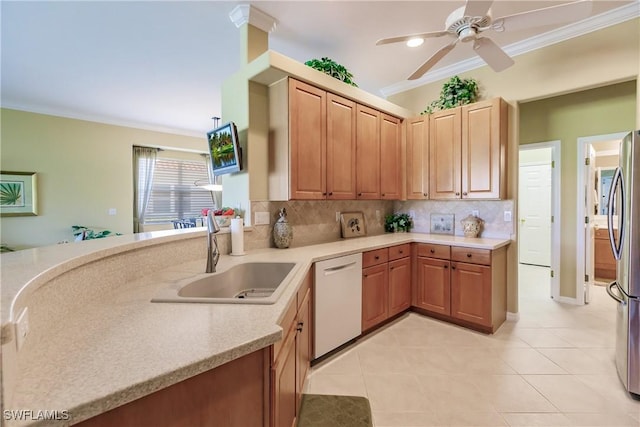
(84,169)
(600,111)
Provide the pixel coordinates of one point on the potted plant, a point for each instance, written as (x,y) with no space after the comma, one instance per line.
(455,92)
(397,222)
(332,68)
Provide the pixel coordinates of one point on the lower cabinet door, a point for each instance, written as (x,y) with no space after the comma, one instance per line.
(433,289)
(471,293)
(284,384)
(375,295)
(399,285)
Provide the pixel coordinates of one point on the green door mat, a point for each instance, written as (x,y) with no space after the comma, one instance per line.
(319,410)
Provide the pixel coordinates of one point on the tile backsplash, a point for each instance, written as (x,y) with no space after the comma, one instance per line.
(492,212)
(314,221)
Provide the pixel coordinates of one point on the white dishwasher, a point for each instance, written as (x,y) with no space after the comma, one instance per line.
(338,302)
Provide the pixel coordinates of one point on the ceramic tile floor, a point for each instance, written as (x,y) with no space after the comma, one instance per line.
(553,367)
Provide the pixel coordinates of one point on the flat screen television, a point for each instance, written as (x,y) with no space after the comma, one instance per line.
(224,147)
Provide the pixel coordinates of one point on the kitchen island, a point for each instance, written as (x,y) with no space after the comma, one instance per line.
(95,340)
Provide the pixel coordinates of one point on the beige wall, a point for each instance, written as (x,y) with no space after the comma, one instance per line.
(605,110)
(603,57)
(84,169)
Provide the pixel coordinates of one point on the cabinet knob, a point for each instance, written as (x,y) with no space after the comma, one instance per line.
(359,194)
(446,266)
(468,255)
(464,193)
(382,194)
(377,257)
(331,193)
(300,325)
(324,194)
(433,251)
(425,194)
(401,252)
(457,194)
(453,267)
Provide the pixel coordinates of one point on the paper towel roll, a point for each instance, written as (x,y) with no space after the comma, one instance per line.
(237,236)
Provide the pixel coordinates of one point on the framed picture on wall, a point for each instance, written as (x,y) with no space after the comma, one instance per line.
(18,194)
(442,223)
(352,224)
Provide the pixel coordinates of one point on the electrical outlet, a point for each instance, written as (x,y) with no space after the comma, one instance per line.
(475,213)
(262,218)
(337,216)
(507,216)
(22,327)
(113,211)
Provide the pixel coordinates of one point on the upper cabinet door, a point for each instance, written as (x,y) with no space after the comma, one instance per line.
(418,158)
(444,154)
(391,170)
(341,148)
(367,153)
(308,139)
(484,136)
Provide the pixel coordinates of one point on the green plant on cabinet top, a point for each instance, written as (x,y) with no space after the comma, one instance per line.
(332,68)
(455,92)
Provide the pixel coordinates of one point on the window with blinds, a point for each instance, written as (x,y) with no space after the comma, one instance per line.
(173,193)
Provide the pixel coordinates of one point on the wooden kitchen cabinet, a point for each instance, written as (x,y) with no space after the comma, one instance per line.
(604,262)
(291,357)
(467,151)
(367,153)
(341,148)
(444,154)
(399,286)
(386,284)
(484,145)
(308,140)
(418,158)
(391,170)
(461,285)
(323,146)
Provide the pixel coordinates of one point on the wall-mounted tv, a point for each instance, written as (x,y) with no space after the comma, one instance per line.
(224,147)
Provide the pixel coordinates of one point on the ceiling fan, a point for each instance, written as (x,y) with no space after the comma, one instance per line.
(468,22)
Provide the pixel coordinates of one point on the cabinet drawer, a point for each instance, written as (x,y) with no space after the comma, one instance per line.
(603,233)
(376,257)
(399,251)
(471,255)
(433,251)
(286,324)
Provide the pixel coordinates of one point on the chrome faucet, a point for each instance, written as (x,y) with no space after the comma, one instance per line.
(213,253)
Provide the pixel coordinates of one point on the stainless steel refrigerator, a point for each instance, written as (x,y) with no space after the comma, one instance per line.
(624,200)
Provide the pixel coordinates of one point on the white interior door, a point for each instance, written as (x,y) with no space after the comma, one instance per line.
(535,213)
(590,195)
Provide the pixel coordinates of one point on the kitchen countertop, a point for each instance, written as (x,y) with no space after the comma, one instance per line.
(121,346)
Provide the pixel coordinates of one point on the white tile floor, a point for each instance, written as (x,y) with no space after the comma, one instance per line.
(553,367)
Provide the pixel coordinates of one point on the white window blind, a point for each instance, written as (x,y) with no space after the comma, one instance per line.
(173,193)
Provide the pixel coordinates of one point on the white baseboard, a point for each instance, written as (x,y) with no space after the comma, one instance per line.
(513,317)
(566,300)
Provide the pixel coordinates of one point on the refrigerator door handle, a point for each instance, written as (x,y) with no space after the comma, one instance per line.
(613,295)
(616,247)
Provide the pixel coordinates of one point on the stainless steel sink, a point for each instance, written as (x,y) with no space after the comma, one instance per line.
(249,283)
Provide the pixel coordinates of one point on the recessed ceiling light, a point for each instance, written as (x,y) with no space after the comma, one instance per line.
(415,42)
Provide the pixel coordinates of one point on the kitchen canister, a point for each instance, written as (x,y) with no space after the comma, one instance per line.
(282,232)
(472,226)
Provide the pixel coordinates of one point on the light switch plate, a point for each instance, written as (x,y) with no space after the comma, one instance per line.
(507,216)
(475,213)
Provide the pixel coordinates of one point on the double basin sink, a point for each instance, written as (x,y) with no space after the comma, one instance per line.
(248,283)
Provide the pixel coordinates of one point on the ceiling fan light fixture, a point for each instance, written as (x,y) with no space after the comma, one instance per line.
(415,42)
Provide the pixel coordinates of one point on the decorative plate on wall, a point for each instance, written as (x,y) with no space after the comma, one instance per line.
(352,224)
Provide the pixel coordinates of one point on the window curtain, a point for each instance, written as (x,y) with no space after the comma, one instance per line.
(144,161)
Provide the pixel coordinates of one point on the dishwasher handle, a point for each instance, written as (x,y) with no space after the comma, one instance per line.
(332,270)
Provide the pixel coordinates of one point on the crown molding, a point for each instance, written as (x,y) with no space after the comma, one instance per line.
(247,14)
(591,24)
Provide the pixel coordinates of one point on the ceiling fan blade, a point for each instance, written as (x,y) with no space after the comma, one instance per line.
(412,36)
(477,7)
(433,60)
(492,54)
(564,13)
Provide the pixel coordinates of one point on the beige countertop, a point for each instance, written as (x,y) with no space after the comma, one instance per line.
(120,347)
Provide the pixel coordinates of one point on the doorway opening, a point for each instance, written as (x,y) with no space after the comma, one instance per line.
(596,156)
(539,211)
